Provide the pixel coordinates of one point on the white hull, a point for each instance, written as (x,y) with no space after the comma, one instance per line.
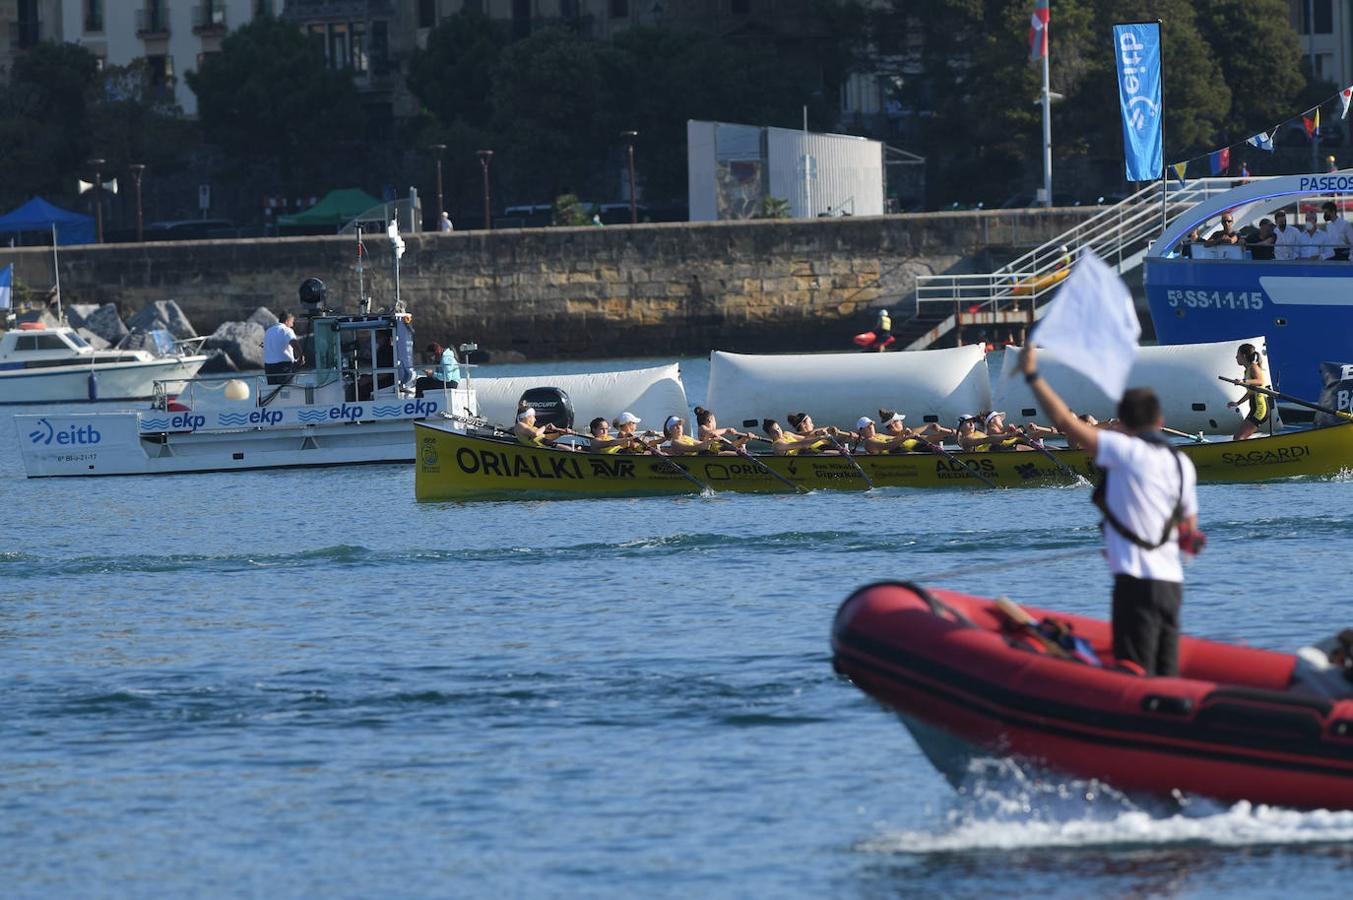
(109,444)
(115,381)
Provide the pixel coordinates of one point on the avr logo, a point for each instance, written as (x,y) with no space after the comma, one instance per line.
(71,435)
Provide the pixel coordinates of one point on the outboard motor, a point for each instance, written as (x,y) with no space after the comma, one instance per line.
(551,404)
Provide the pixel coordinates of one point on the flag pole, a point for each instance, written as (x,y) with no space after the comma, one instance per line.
(1164,169)
(1047,124)
(56,274)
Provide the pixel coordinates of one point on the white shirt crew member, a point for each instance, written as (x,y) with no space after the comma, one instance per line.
(1288,244)
(1337,237)
(1310,244)
(277,344)
(1143,488)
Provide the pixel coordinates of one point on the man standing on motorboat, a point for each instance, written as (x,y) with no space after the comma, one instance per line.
(280,349)
(1150,506)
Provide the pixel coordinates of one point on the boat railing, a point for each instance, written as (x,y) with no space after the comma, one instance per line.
(1120,235)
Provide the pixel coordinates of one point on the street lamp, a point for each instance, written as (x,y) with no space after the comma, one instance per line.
(97,165)
(137,170)
(485,158)
(629,137)
(439,149)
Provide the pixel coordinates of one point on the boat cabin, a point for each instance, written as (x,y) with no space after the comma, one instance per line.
(41,348)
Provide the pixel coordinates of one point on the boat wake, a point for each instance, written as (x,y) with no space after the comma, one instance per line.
(1003,806)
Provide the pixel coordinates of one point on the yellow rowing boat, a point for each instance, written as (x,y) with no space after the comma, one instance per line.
(452,466)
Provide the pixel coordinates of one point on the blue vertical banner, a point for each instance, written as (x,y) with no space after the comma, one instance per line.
(1137,48)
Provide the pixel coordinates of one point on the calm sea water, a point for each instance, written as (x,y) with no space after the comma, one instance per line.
(305,684)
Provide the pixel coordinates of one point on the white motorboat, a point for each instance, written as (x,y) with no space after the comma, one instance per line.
(56,365)
(357,404)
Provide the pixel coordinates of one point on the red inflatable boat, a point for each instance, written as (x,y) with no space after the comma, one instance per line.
(967,681)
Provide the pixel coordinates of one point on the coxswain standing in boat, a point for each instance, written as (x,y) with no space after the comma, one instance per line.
(527,433)
(1149,490)
(1249,359)
(281,349)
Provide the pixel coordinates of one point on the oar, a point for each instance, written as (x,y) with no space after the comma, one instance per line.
(742,451)
(653,449)
(1196,438)
(1038,445)
(937,448)
(847,454)
(1278,395)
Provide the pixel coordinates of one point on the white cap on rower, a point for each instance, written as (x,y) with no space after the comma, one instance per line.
(525,414)
(672,420)
(864,422)
(896,417)
(993,414)
(627,418)
(967,417)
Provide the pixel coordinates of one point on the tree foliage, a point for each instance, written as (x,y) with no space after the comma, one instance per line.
(44,113)
(269,98)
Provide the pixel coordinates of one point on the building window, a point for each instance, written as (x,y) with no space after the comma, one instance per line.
(473,6)
(338,46)
(740,7)
(359,60)
(29,30)
(1323,13)
(380,47)
(427,13)
(521,18)
(568,9)
(93,15)
(620,9)
(160,70)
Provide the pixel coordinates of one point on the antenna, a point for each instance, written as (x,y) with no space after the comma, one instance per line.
(56,271)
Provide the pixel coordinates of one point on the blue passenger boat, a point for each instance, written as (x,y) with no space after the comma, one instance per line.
(1304,307)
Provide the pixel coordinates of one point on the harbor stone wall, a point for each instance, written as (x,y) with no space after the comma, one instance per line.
(663,289)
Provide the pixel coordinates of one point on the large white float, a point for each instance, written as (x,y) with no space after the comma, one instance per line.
(1184,376)
(838,388)
(652,394)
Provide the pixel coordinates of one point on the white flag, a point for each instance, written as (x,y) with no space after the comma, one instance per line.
(393,231)
(1345,97)
(1092,325)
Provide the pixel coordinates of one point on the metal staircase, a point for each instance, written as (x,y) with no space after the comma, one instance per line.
(1120,235)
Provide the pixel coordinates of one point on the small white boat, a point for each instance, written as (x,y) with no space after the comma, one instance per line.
(356,405)
(56,365)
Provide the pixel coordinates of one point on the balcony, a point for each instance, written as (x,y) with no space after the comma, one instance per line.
(209,18)
(25,33)
(152,22)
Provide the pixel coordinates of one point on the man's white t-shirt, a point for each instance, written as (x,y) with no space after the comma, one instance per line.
(277,344)
(1143,490)
(1336,237)
(1288,243)
(1310,244)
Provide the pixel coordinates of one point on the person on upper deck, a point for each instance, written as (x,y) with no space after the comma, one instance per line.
(1311,240)
(1338,233)
(280,350)
(1261,246)
(1286,238)
(1225,234)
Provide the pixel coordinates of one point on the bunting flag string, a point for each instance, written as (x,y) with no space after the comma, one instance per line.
(1264,140)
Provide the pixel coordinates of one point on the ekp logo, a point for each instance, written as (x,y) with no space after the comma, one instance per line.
(72,435)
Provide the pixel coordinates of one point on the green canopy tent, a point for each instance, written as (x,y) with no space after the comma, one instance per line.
(331,213)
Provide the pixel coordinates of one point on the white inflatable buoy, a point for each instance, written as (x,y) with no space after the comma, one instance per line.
(236,390)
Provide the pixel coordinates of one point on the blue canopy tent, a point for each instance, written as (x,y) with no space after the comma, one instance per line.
(39,215)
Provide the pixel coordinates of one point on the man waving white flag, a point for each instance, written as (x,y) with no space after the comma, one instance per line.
(1092,325)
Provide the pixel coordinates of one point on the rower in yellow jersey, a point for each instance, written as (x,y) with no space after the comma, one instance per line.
(1252,361)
